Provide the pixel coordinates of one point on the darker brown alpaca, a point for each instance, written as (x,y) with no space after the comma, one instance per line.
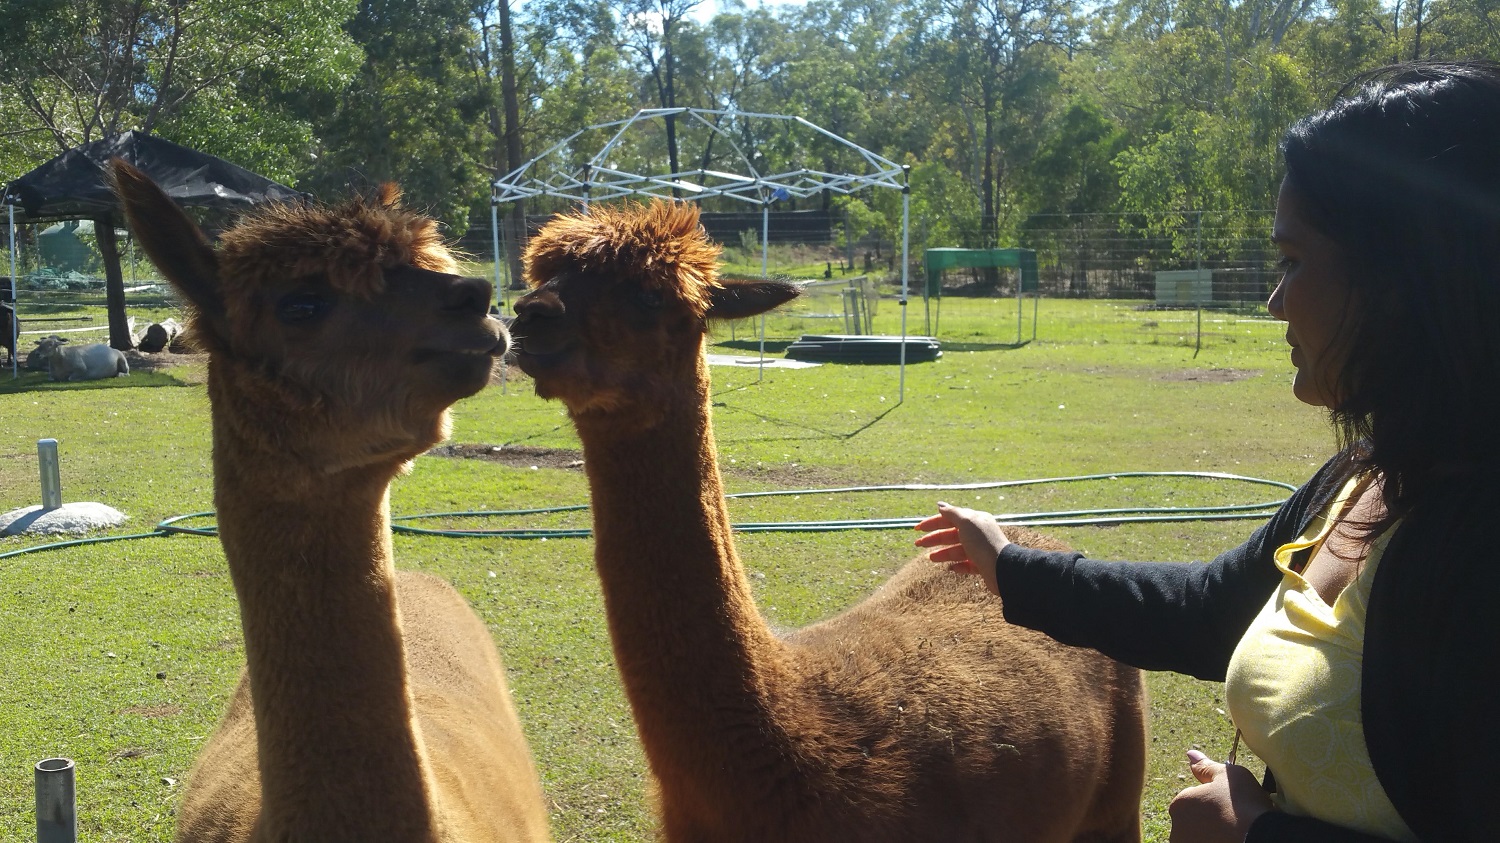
(373,706)
(918,715)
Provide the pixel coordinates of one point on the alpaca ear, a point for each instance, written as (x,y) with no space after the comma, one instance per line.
(388,195)
(739,299)
(170,238)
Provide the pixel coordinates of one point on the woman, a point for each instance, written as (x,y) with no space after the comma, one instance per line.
(1355,631)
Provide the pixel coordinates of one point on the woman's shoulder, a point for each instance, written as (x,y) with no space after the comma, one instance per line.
(1315,494)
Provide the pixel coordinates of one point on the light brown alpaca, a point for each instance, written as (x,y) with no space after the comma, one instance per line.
(918,715)
(373,706)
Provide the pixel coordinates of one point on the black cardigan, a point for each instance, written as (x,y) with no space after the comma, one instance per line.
(1431,683)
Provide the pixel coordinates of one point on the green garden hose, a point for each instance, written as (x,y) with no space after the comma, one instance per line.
(1069,518)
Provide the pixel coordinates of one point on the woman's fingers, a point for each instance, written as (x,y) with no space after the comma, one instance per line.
(950,553)
(934,522)
(944,535)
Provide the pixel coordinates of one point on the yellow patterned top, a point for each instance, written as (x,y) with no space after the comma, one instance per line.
(1293,689)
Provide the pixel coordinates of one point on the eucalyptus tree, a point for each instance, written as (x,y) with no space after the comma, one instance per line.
(232,79)
(411,112)
(739,59)
(235,79)
(492,60)
(997,64)
(840,64)
(1441,29)
(656,34)
(569,69)
(1205,90)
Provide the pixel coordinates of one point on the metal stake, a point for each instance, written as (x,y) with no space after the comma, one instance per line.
(46,454)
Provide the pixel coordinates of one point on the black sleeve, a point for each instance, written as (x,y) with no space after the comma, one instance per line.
(1186,618)
(1281,827)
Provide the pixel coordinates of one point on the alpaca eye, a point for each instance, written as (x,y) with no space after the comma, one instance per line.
(302,307)
(649,299)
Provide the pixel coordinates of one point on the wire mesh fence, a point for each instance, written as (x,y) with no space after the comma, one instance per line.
(1227,255)
(58,287)
(1213,259)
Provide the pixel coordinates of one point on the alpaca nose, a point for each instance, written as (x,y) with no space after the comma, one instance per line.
(541,303)
(467,295)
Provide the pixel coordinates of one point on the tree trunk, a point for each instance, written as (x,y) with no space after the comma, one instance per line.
(516,218)
(114,284)
(671,102)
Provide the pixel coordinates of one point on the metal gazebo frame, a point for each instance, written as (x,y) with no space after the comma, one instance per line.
(595,181)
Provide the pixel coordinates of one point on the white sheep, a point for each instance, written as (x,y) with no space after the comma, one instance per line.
(38,359)
(84,362)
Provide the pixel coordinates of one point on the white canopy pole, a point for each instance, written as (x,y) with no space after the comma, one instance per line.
(905,268)
(765,246)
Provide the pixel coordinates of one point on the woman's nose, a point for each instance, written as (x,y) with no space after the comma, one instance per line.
(1275,302)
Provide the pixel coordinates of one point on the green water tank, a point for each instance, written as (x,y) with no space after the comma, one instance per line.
(63,247)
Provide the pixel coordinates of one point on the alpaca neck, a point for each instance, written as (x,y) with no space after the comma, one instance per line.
(311,560)
(687,637)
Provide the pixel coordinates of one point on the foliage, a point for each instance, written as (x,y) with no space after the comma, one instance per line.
(410,113)
(228,76)
(1160,108)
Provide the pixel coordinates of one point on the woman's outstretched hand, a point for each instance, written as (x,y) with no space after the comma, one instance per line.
(1221,808)
(968,540)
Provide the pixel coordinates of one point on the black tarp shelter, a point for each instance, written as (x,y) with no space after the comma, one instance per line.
(72,186)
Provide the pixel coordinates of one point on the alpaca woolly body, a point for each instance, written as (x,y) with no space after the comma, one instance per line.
(917,715)
(373,704)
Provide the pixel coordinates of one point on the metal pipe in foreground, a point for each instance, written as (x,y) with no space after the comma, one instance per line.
(56,806)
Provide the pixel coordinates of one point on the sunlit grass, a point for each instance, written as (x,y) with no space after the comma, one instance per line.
(84,632)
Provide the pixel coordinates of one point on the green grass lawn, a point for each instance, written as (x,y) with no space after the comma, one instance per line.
(120,655)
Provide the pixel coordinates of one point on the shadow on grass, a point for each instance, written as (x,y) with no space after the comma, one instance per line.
(780,347)
(40,382)
(983,346)
(822,432)
(772,346)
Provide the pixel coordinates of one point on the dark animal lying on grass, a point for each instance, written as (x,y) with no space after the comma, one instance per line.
(10,326)
(160,335)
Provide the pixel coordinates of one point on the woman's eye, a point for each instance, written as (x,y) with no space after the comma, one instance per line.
(302,307)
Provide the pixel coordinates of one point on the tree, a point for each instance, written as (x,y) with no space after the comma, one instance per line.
(205,73)
(411,114)
(1001,63)
(201,72)
(654,32)
(494,56)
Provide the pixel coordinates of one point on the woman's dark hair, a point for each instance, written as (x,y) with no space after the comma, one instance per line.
(1402,172)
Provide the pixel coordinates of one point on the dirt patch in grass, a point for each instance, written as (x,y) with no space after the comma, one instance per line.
(515,456)
(130,752)
(156,361)
(1210,375)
